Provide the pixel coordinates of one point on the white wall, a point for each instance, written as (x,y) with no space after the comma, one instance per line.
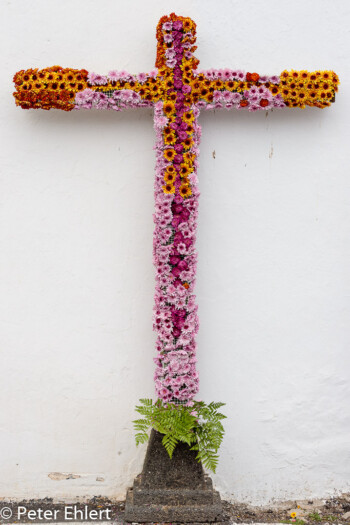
(76,242)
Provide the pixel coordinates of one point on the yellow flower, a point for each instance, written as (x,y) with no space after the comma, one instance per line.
(189,157)
(293,514)
(185,169)
(169,139)
(169,177)
(187,143)
(188,24)
(185,190)
(169,188)
(230,85)
(169,108)
(169,154)
(294,74)
(302,95)
(304,75)
(188,116)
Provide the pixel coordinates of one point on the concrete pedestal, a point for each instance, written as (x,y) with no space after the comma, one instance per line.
(172,490)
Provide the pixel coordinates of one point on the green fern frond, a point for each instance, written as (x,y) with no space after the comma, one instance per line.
(141,438)
(199,426)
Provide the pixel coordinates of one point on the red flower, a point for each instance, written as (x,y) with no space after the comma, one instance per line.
(252,77)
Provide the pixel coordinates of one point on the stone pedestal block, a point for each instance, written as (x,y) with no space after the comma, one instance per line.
(172,490)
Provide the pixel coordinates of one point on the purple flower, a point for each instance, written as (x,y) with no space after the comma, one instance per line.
(180,98)
(160,122)
(236,97)
(113,76)
(135,97)
(182,265)
(228,74)
(84,96)
(171,62)
(177,25)
(178,159)
(217,96)
(153,73)
(227,96)
(124,75)
(100,80)
(170,53)
(209,74)
(182,135)
(168,37)
(186,45)
(174,260)
(182,249)
(142,77)
(91,78)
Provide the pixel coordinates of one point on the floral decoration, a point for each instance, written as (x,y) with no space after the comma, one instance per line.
(178,91)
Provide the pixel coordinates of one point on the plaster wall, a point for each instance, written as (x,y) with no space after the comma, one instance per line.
(76,275)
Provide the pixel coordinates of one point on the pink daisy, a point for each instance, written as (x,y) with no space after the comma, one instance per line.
(168,37)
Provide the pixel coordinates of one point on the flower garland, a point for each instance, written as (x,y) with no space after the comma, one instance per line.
(176,196)
(70,89)
(178,92)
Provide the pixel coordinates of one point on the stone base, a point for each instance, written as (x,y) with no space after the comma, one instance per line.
(184,513)
(172,490)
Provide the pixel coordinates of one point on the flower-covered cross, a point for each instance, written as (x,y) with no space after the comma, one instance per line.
(177,91)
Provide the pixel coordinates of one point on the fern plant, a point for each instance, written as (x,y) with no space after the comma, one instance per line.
(198,425)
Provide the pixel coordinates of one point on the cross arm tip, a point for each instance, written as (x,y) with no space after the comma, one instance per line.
(52,87)
(67,89)
(304,88)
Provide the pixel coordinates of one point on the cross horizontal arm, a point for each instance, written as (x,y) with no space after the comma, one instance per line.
(67,89)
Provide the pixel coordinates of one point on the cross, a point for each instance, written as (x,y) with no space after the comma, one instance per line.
(177,91)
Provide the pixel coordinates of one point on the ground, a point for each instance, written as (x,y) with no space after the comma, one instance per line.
(335,510)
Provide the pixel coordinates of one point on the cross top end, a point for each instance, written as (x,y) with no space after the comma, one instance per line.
(173,30)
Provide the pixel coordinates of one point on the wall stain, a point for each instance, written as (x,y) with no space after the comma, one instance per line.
(59,476)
